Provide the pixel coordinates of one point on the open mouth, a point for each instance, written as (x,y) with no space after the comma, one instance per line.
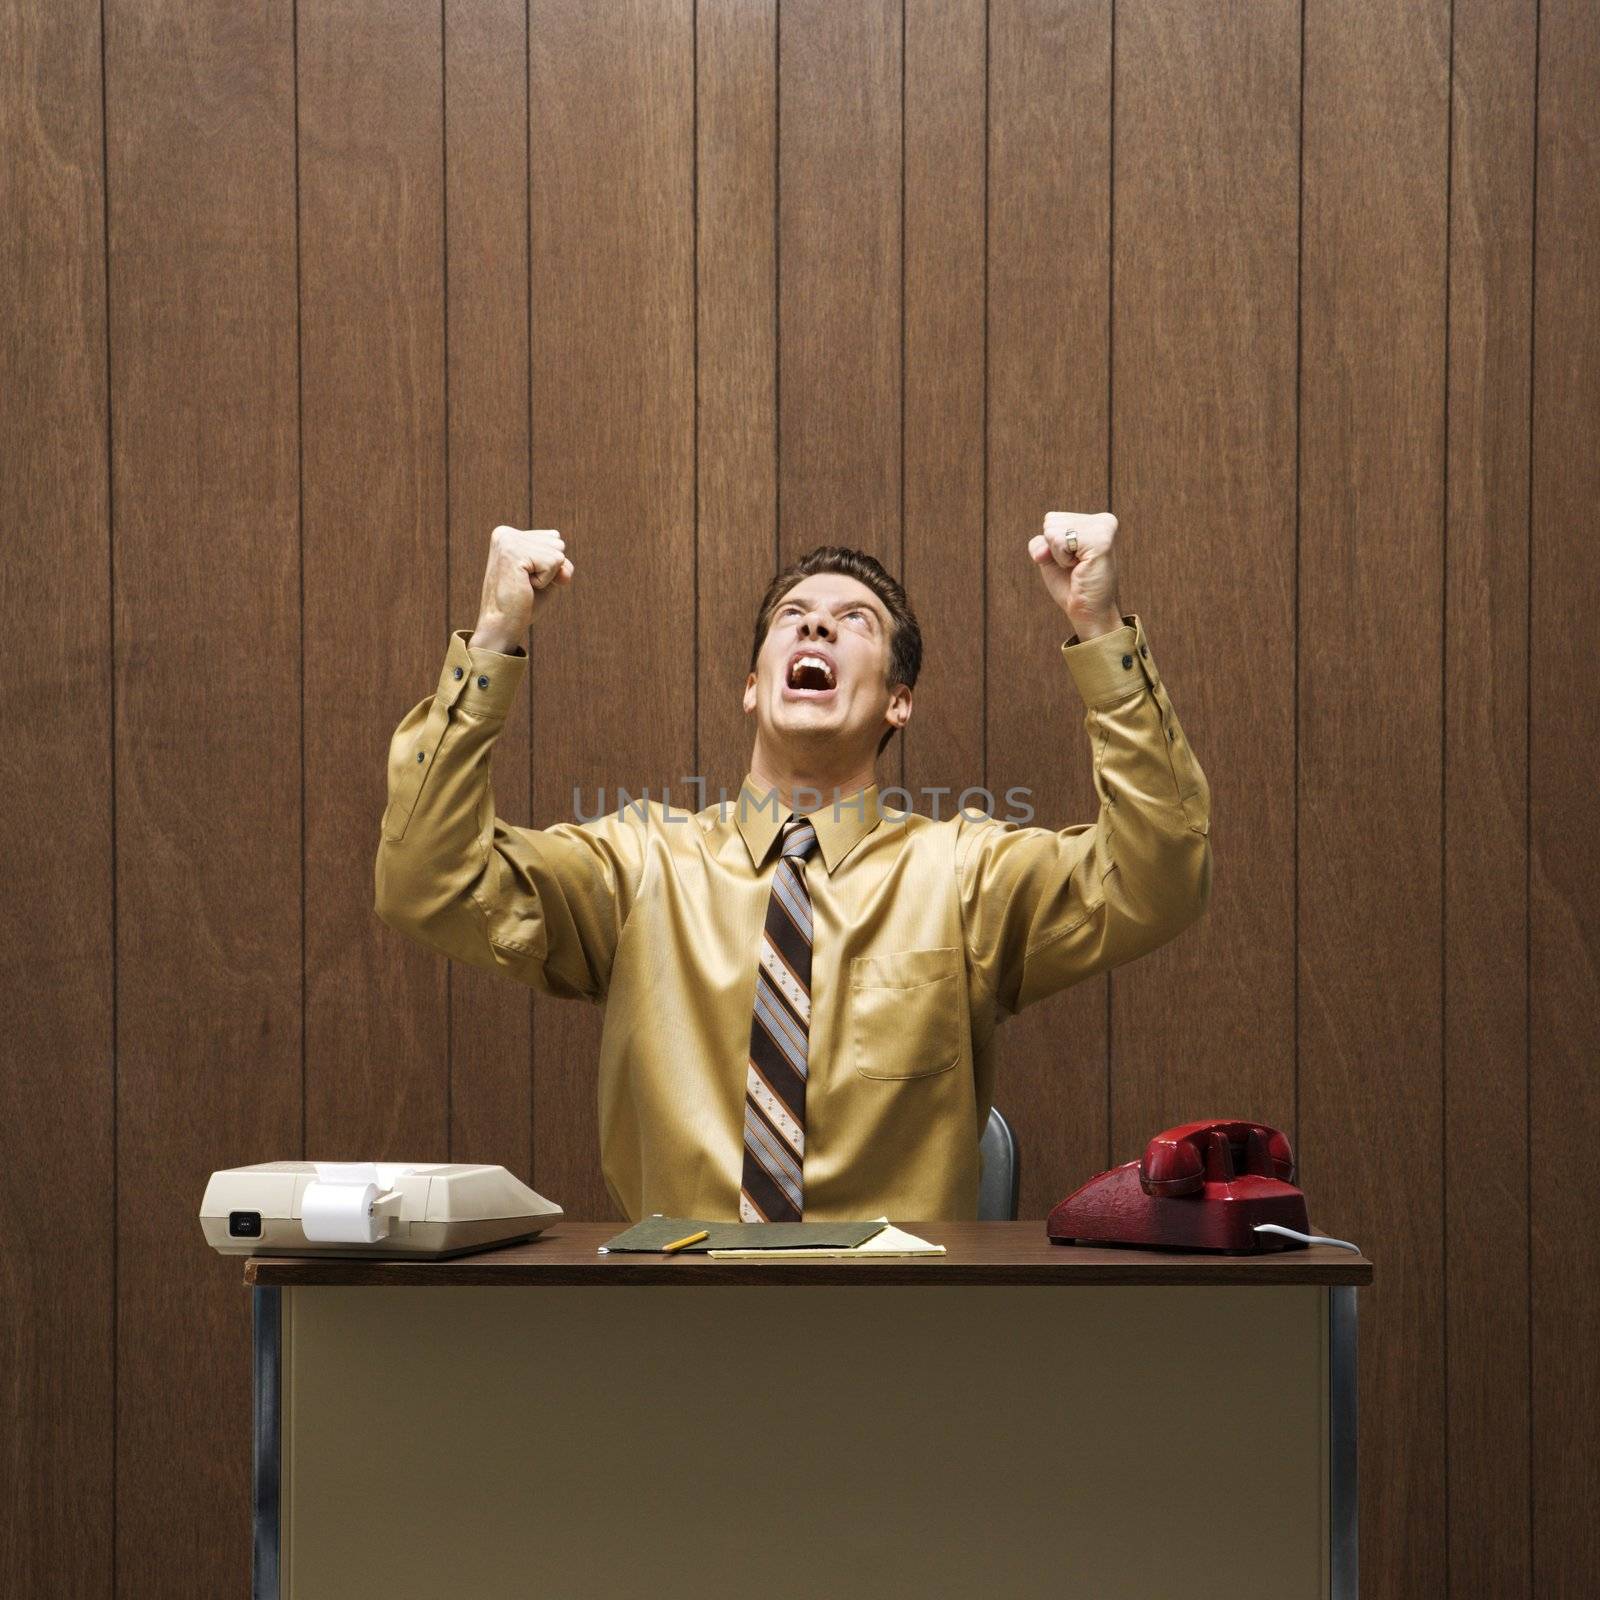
(810,674)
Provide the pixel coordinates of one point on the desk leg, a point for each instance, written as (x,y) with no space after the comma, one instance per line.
(1343,1500)
(266,1525)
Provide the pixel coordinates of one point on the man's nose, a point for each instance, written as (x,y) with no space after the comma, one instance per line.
(818,622)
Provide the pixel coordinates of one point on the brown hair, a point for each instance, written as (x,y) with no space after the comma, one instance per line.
(905,636)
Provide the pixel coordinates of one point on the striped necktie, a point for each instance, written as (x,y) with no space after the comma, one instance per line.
(771,1189)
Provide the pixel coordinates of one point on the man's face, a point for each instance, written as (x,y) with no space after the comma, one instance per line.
(822,668)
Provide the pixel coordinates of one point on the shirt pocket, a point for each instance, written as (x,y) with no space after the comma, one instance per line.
(905,1013)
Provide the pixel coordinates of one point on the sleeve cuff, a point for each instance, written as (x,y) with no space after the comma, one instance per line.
(483,682)
(1113,666)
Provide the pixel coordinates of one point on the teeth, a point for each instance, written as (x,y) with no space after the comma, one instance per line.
(809,660)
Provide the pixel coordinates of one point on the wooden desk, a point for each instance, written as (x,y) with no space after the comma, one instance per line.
(570,1424)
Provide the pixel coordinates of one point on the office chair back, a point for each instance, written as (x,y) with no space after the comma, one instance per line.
(999,1173)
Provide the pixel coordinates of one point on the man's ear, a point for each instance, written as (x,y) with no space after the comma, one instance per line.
(750,694)
(899,712)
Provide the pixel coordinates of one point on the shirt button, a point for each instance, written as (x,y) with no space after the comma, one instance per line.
(1144,650)
(458,674)
(420,756)
(1170,736)
(1127,661)
(483,683)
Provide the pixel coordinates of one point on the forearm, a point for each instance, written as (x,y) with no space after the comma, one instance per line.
(498,636)
(1092,627)
(1156,802)
(1043,908)
(439,818)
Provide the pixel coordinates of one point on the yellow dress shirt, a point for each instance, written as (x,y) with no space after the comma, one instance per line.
(928,933)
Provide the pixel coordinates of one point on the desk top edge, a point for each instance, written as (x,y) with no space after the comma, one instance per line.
(996,1253)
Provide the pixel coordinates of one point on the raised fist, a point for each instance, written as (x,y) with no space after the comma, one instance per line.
(1081,580)
(523,563)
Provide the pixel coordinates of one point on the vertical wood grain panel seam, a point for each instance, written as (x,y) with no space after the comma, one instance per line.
(1111,425)
(694,360)
(300,523)
(527,204)
(1444,773)
(983,564)
(111,618)
(1299,474)
(444,370)
(1527,809)
(777,285)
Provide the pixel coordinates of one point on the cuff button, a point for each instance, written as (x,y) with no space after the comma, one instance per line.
(483,683)
(459,671)
(1127,661)
(421,756)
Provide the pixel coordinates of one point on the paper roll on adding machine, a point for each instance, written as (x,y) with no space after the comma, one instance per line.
(370,1209)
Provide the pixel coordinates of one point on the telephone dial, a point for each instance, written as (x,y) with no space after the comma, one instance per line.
(1203,1186)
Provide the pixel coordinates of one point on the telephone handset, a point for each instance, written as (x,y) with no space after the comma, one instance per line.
(1202,1186)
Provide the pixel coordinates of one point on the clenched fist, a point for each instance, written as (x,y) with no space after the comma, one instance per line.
(523,563)
(1083,582)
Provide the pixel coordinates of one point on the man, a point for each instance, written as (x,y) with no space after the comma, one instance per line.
(801,987)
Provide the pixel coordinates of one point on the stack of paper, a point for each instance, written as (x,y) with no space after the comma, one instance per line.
(773,1241)
(888,1241)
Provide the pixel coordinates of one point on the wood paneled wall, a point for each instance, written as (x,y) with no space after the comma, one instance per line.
(304,299)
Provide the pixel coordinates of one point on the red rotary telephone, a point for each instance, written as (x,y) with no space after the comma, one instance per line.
(1202,1186)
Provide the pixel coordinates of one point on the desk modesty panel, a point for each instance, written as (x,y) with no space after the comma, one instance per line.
(577,1426)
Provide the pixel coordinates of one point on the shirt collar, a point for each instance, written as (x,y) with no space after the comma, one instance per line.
(760,813)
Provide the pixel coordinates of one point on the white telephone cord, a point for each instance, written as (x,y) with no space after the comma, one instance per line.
(1305,1238)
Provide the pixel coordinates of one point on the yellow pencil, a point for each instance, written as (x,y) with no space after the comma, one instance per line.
(693,1238)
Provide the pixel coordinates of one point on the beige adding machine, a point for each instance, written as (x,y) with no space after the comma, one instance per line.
(370,1209)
